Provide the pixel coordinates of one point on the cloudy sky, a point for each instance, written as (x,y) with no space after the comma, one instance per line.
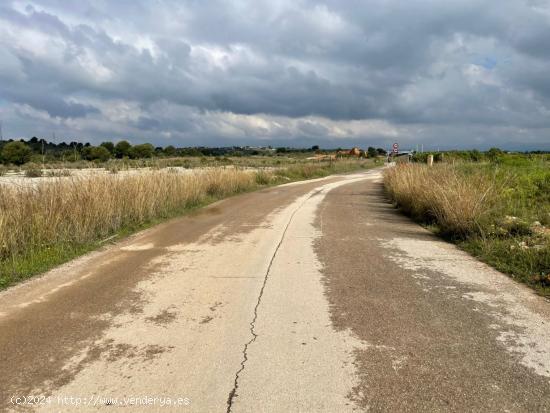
(442,73)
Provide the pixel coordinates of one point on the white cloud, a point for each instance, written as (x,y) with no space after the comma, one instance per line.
(286,71)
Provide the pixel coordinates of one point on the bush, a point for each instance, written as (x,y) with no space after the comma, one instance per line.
(494,154)
(122,149)
(33,172)
(371,152)
(170,150)
(96,153)
(145,150)
(16,153)
(109,146)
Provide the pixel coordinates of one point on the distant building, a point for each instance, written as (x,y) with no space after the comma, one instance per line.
(351,152)
(355,152)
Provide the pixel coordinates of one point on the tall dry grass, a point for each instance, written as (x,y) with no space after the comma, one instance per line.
(458,202)
(78,211)
(46,223)
(499,212)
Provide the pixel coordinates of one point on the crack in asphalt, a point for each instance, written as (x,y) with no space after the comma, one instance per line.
(233,392)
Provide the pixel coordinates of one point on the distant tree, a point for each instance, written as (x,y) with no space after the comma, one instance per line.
(145,150)
(16,153)
(189,152)
(122,149)
(381,151)
(494,153)
(475,155)
(85,152)
(96,153)
(315,148)
(371,152)
(110,146)
(169,150)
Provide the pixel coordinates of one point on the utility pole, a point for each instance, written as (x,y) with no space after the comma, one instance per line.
(1,134)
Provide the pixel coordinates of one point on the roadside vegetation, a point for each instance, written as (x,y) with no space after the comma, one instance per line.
(77,155)
(494,205)
(49,223)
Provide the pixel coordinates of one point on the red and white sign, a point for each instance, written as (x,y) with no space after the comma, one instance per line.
(395,148)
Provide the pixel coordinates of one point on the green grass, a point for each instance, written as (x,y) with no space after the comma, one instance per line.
(509,230)
(511,239)
(39,258)
(527,265)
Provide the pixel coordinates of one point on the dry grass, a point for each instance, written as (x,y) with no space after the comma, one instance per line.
(498,212)
(459,204)
(84,210)
(48,223)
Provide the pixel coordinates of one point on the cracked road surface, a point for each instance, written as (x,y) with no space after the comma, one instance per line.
(308,297)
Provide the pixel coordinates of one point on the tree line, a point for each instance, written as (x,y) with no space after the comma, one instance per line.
(19,152)
(41,151)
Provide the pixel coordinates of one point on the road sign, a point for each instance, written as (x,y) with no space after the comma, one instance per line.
(395,147)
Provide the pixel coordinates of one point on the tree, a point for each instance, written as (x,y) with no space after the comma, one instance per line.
(371,152)
(475,155)
(16,153)
(122,149)
(93,153)
(494,153)
(315,148)
(381,151)
(110,146)
(169,150)
(145,150)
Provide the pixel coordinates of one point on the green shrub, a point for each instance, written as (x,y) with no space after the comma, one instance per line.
(16,153)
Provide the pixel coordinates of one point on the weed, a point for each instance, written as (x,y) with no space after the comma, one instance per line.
(33,172)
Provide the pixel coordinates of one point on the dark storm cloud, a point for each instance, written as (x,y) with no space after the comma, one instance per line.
(335,71)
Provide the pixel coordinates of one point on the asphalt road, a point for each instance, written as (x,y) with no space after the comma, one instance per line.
(307,297)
